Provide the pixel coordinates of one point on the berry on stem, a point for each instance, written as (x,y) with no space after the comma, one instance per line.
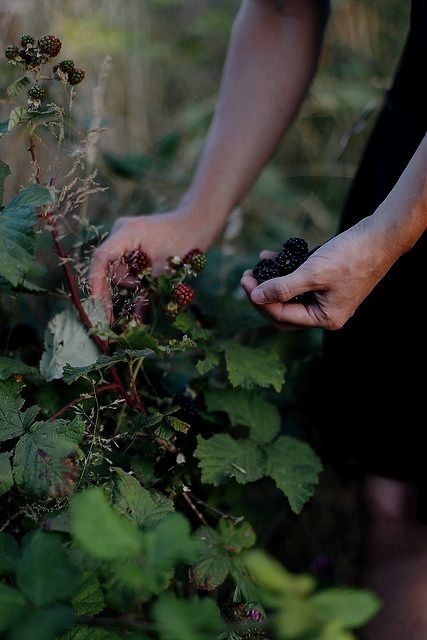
(11,52)
(183,294)
(137,262)
(75,76)
(66,65)
(36,92)
(50,45)
(27,39)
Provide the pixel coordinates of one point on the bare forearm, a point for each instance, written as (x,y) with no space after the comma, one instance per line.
(270,63)
(402,216)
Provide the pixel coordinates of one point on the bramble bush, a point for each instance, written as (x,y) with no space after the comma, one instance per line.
(109,530)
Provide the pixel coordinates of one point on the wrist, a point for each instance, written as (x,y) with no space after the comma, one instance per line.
(203,217)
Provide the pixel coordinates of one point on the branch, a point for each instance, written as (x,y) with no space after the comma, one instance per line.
(84,396)
(35,164)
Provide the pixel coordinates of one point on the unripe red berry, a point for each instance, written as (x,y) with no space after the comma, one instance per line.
(50,45)
(136,261)
(183,294)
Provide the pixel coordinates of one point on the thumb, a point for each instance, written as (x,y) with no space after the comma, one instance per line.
(282,289)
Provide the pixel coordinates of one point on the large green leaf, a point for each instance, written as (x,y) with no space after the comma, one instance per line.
(351,608)
(13,421)
(99,530)
(89,599)
(251,367)
(44,460)
(10,367)
(71,373)
(222,458)
(18,116)
(19,85)
(66,342)
(136,503)
(17,235)
(43,624)
(295,468)
(91,633)
(193,619)
(4,172)
(6,477)
(9,554)
(12,606)
(272,577)
(188,324)
(44,572)
(246,408)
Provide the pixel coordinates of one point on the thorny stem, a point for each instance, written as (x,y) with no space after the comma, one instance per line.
(35,164)
(84,396)
(193,506)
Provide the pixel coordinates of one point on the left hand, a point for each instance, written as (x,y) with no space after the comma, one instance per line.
(340,275)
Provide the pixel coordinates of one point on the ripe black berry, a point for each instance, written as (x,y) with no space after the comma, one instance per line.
(50,45)
(75,76)
(187,405)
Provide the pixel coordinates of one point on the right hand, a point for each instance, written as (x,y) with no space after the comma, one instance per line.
(160,235)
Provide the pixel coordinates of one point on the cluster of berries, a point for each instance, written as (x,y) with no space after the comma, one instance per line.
(32,53)
(138,265)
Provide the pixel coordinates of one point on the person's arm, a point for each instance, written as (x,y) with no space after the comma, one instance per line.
(343,272)
(270,62)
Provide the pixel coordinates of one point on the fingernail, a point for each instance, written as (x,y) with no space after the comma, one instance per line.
(258,296)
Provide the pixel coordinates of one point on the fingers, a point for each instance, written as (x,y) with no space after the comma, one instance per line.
(99,281)
(267,254)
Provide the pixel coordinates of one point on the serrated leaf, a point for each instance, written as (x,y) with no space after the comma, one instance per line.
(210,361)
(44,460)
(250,367)
(44,572)
(71,374)
(10,367)
(138,504)
(12,606)
(4,172)
(351,608)
(222,458)
(19,85)
(148,420)
(101,531)
(138,338)
(9,554)
(18,116)
(192,619)
(236,537)
(13,421)
(17,236)
(91,633)
(176,424)
(213,564)
(66,342)
(6,477)
(89,599)
(24,287)
(43,624)
(245,408)
(295,468)
(187,323)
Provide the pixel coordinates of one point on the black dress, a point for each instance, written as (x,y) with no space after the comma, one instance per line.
(373,393)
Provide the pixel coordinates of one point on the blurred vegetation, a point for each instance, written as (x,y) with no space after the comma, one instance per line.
(167,57)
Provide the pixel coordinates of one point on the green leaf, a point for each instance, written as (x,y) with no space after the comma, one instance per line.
(6,477)
(245,408)
(89,599)
(193,619)
(295,468)
(24,287)
(9,554)
(138,338)
(236,537)
(138,504)
(176,424)
(17,236)
(12,606)
(44,624)
(18,116)
(250,367)
(352,608)
(44,460)
(222,458)
(273,577)
(4,172)
(44,572)
(187,324)
(99,530)
(19,85)
(91,633)
(10,367)
(213,564)
(66,342)
(210,361)
(71,374)
(13,421)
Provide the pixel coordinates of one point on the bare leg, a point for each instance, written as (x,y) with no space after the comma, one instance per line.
(395,560)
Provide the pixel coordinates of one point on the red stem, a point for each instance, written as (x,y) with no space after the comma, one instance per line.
(84,396)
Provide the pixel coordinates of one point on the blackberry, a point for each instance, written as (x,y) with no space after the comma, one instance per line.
(188,406)
(286,261)
(297,246)
(66,65)
(50,45)
(265,270)
(183,294)
(136,261)
(11,52)
(75,76)
(27,39)
(36,92)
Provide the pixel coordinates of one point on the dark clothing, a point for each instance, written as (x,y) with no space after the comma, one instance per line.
(377,398)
